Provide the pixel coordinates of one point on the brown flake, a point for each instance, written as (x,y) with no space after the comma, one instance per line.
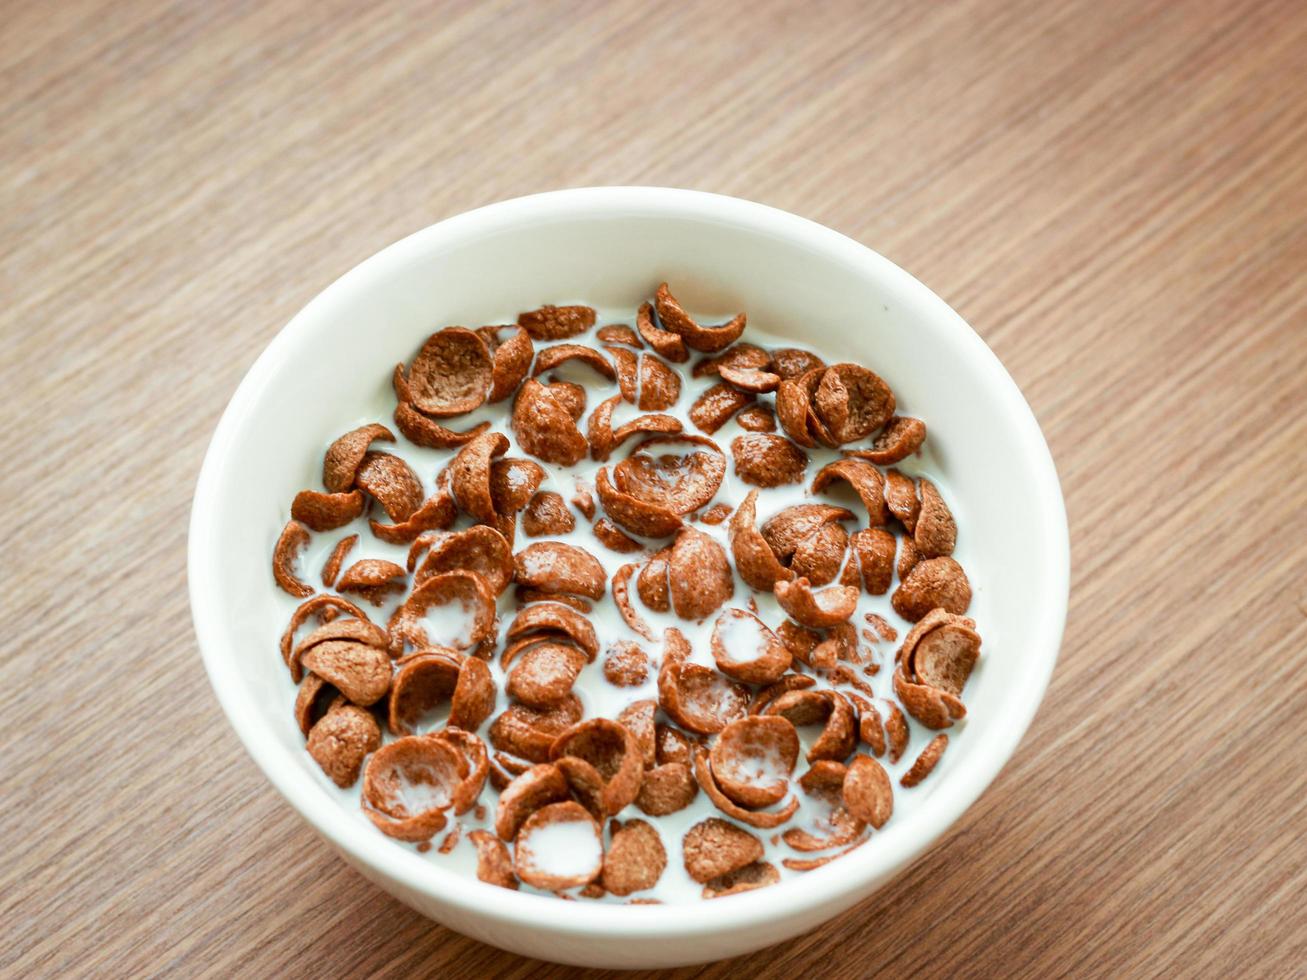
(901,437)
(544,674)
(391,776)
(666,343)
(931,583)
(699,575)
(344,455)
(867,792)
(547,514)
(715,405)
(341,739)
(479,549)
(714,847)
(326,511)
(510,359)
(709,340)
(375,579)
(766,460)
(755,560)
(752,759)
(557,322)
(622,598)
(337,558)
(285,556)
(635,859)
(744,648)
(816,608)
(626,664)
(494,864)
(926,762)
(545,426)
(936,532)
(552,566)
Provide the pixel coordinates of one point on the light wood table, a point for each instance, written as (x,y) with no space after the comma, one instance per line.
(1113,194)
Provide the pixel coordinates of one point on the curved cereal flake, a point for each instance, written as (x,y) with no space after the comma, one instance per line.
(552,566)
(646,425)
(326,511)
(865,480)
(933,582)
(709,340)
(762,819)
(811,864)
(660,386)
(635,859)
(652,582)
(940,651)
(512,483)
(557,322)
(793,405)
(752,380)
(681,482)
(477,764)
(755,560)
(344,455)
(867,793)
(740,357)
(871,729)
(872,563)
(375,579)
(509,359)
(715,847)
(331,568)
(341,739)
(698,699)
(357,670)
(896,729)
(800,640)
(552,357)
(785,530)
(324,608)
(537,860)
(753,758)
(790,682)
(626,664)
(494,864)
(823,783)
(699,575)
(716,514)
(818,557)
(744,648)
(667,788)
(537,787)
(479,549)
(439,511)
(756,418)
(285,555)
(554,617)
(614,538)
(648,520)
(392,483)
(622,598)
(619,333)
(664,342)
(901,437)
(529,732)
(314,699)
(544,674)
(929,705)
(818,608)
(791,362)
(422,681)
(638,718)
(599,429)
(474,695)
(583,499)
(469,476)
(925,763)
(853,402)
(547,513)
(627,364)
(760,874)
(545,426)
(409,784)
(901,499)
(936,532)
(422,431)
(766,460)
(451,373)
(827,708)
(466,589)
(715,405)
(614,753)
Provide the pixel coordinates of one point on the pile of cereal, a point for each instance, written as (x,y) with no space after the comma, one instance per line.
(601,659)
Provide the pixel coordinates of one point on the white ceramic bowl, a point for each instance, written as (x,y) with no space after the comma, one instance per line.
(611,246)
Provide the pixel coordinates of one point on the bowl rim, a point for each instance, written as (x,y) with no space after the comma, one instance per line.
(790,899)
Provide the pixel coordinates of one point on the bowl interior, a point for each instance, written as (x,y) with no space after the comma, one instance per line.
(330,367)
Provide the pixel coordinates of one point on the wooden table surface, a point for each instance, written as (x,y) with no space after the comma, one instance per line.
(1113,194)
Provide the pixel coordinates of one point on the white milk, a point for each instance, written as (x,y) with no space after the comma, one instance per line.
(599,697)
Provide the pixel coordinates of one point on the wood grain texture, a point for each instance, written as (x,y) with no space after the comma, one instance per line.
(1113,194)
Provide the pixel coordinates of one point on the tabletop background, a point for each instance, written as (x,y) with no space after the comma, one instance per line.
(1113,194)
